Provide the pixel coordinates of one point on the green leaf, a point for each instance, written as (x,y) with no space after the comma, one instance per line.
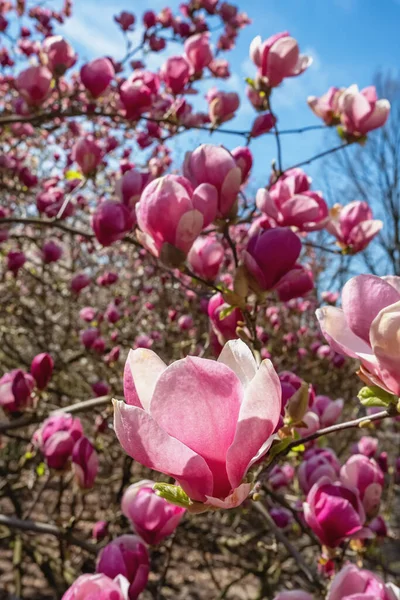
(250,82)
(225,312)
(375,396)
(279,447)
(73,175)
(173,494)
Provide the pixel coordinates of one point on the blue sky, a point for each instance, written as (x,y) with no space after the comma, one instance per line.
(348,39)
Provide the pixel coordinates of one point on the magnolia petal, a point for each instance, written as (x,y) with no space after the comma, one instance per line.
(145,368)
(259,414)
(238,357)
(144,440)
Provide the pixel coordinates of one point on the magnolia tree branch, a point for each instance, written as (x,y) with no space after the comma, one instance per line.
(27,420)
(43,117)
(310,575)
(46,528)
(361,422)
(36,222)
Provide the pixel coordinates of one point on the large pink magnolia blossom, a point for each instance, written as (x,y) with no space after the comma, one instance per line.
(307,211)
(353,225)
(216,166)
(352,583)
(361,111)
(367,328)
(171,214)
(278,57)
(200,421)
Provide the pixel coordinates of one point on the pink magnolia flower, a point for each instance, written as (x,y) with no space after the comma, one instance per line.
(307,211)
(353,225)
(359,584)
(87,153)
(205,257)
(15,261)
(198,51)
(15,390)
(79,282)
(131,185)
(185,322)
(327,409)
(175,73)
(281,476)
(262,124)
(293,181)
(56,439)
(126,20)
(366,328)
(210,467)
(42,369)
(278,57)
(126,556)
(87,314)
(281,516)
(101,388)
(270,255)
(51,252)
(335,513)
(221,105)
(223,325)
(60,55)
(244,160)
(366,445)
(293,595)
(34,84)
(318,463)
(326,107)
(219,67)
(361,112)
(171,214)
(98,586)
(85,462)
(111,222)
(100,530)
(152,517)
(137,93)
(364,474)
(215,166)
(97,75)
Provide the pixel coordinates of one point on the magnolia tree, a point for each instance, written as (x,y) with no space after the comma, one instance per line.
(226,459)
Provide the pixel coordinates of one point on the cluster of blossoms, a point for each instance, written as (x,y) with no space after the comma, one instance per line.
(17,387)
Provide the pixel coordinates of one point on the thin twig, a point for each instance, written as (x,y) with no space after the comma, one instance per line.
(46,528)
